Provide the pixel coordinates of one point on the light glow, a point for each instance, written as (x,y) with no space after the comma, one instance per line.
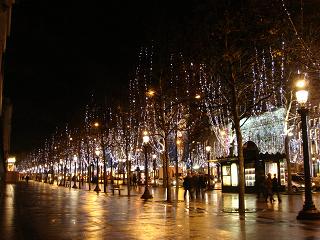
(208,148)
(301,84)
(302,96)
(11,160)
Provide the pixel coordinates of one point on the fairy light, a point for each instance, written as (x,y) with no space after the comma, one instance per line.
(144,112)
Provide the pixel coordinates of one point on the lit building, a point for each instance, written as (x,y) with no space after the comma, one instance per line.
(5,22)
(267,132)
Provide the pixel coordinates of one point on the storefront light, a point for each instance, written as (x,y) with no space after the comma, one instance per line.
(234,174)
(196,166)
(11,160)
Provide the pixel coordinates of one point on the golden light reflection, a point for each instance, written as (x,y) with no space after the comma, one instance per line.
(96,212)
(151,93)
(9,206)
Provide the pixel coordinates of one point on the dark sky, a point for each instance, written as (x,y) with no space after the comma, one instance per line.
(60,52)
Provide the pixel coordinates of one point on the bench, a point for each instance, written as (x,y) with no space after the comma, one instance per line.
(116,188)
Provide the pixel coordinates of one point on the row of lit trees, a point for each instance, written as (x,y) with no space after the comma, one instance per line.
(178,103)
(244,69)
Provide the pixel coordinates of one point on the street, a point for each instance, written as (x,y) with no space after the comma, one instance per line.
(42,211)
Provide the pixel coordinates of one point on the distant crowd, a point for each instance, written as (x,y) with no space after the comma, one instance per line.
(196,184)
(267,187)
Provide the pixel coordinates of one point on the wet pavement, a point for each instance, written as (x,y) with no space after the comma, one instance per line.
(43,211)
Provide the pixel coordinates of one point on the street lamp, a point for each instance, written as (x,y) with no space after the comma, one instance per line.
(208,149)
(97,126)
(309,211)
(146,194)
(75,172)
(97,189)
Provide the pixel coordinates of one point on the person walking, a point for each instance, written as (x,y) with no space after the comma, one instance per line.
(202,184)
(134,179)
(27,178)
(196,184)
(187,185)
(269,188)
(275,187)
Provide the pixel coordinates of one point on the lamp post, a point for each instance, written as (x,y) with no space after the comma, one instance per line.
(146,194)
(75,172)
(90,174)
(97,189)
(309,211)
(208,149)
(97,125)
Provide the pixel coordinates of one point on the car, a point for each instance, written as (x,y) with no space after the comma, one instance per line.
(159,181)
(298,183)
(180,181)
(316,183)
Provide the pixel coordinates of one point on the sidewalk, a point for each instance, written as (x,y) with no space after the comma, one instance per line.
(44,211)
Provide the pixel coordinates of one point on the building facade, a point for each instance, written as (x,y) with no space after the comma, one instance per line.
(5,24)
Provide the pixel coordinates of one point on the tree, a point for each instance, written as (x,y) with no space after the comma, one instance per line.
(240,40)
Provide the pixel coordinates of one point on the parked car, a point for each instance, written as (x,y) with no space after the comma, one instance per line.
(316,183)
(298,183)
(180,183)
(159,181)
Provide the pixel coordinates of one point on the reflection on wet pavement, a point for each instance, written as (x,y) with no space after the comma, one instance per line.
(43,211)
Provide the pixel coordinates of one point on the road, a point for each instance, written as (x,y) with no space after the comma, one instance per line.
(43,211)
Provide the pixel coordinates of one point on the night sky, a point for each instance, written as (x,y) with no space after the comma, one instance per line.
(61,52)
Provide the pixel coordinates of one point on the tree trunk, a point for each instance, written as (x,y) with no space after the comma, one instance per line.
(286,144)
(104,167)
(236,119)
(166,168)
(177,166)
(81,165)
(88,161)
(128,169)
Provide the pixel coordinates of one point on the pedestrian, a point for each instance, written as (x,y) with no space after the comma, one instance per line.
(269,188)
(139,180)
(202,184)
(187,185)
(27,178)
(193,185)
(275,187)
(134,179)
(74,179)
(196,182)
